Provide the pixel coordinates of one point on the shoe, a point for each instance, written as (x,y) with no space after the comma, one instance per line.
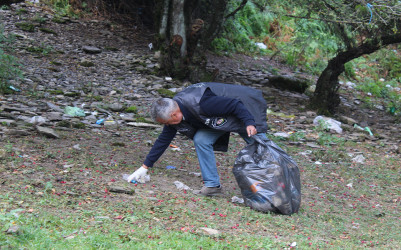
(209,191)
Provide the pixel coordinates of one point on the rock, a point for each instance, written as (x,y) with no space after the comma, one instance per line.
(289,83)
(281,134)
(144,125)
(3,153)
(91,50)
(127,117)
(54,116)
(312,145)
(14,229)
(7,122)
(311,113)
(54,107)
(116,107)
(18,132)
(347,120)
(86,63)
(111,124)
(48,132)
(330,123)
(121,190)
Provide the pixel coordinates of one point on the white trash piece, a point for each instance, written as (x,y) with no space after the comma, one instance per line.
(236,199)
(181,186)
(331,123)
(281,134)
(359,159)
(37,120)
(261,45)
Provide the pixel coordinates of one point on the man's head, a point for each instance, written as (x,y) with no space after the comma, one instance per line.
(166,111)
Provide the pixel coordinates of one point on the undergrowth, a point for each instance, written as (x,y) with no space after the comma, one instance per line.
(9,65)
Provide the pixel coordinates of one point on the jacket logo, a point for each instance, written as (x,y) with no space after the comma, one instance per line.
(219,122)
(207,121)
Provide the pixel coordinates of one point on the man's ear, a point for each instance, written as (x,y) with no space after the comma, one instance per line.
(174,113)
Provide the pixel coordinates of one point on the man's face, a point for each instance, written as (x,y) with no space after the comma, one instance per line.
(175,118)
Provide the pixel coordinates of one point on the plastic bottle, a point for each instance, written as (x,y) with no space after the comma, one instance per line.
(99,122)
(144,179)
(125,177)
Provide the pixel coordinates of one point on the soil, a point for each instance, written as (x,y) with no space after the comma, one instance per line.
(91,161)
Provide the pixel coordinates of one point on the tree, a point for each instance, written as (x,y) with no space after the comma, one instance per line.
(186,30)
(185,26)
(363,28)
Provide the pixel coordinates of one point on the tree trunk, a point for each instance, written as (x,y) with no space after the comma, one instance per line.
(186,28)
(326,98)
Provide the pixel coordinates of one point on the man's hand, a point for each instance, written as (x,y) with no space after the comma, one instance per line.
(138,174)
(251,130)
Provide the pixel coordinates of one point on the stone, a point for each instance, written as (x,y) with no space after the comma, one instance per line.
(116,107)
(54,107)
(14,229)
(48,132)
(3,153)
(54,116)
(7,122)
(18,132)
(91,50)
(347,120)
(121,190)
(331,124)
(111,124)
(281,134)
(144,125)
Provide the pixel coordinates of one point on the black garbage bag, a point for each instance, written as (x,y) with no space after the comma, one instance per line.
(268,177)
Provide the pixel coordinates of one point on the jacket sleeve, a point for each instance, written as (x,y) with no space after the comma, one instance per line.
(213,105)
(161,144)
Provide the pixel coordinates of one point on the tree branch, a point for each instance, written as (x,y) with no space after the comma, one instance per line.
(242,5)
(325,20)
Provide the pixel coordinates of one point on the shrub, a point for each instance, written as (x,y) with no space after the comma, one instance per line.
(9,65)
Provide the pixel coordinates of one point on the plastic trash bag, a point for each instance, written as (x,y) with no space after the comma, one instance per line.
(268,177)
(74,111)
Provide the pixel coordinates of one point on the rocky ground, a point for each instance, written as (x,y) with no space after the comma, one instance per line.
(79,120)
(101,68)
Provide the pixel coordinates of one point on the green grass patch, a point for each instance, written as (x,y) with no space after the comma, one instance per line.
(132,109)
(49,31)
(166,93)
(25,26)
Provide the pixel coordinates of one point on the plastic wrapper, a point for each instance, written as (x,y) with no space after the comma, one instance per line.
(268,177)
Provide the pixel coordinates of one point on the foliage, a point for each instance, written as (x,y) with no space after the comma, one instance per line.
(311,46)
(303,44)
(378,79)
(241,32)
(8,219)
(9,65)
(62,8)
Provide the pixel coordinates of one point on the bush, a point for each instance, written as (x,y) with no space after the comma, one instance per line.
(9,66)
(248,23)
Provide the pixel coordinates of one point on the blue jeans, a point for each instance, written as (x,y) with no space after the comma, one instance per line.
(204,140)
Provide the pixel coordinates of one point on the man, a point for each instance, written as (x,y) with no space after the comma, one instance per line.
(207,113)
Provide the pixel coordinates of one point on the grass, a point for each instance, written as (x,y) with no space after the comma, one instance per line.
(345,205)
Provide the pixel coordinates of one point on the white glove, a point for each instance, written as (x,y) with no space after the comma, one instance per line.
(138,175)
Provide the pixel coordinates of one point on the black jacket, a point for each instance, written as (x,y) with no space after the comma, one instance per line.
(219,106)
